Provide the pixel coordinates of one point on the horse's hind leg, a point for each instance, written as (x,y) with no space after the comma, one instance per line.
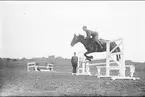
(117,57)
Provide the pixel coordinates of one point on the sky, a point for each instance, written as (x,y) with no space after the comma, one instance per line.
(42,28)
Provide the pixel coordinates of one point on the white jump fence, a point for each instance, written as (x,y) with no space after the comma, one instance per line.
(121,67)
(48,67)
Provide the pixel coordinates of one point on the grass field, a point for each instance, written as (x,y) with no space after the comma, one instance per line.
(15,80)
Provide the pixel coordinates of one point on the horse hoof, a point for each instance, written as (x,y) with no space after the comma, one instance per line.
(91,57)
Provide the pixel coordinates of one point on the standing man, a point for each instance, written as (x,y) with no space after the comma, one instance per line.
(74,62)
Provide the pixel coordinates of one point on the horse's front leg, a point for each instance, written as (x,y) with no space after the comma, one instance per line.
(88,57)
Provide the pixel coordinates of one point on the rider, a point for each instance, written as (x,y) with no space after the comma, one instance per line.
(94,35)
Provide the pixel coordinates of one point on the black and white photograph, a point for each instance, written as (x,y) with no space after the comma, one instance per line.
(72,48)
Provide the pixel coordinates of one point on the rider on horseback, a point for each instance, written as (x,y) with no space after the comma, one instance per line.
(94,35)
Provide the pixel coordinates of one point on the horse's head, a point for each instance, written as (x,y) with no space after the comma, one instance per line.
(77,39)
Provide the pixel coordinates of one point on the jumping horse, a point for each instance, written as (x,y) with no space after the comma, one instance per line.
(91,46)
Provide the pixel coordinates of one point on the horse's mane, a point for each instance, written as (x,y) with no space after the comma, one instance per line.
(81,35)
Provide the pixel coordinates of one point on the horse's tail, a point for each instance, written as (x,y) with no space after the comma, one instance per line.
(113,45)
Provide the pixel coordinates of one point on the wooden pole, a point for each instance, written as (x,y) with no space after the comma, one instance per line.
(107,58)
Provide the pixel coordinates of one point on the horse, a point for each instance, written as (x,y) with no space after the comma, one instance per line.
(91,46)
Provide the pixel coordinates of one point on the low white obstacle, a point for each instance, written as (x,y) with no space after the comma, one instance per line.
(31,65)
(121,67)
(48,67)
(131,67)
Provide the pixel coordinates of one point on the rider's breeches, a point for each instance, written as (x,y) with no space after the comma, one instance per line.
(96,39)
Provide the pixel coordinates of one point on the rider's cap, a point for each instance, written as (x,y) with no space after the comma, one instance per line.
(84,27)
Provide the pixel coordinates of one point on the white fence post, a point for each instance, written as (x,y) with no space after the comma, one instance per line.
(107,58)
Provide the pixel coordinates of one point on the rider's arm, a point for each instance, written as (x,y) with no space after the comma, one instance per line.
(88,32)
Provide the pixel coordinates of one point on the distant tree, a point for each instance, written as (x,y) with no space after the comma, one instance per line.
(59,57)
(51,59)
(14,59)
(23,58)
(8,59)
(2,65)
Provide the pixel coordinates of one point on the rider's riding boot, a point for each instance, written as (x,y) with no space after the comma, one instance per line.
(100,45)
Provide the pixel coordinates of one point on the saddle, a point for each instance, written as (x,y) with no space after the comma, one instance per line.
(101,41)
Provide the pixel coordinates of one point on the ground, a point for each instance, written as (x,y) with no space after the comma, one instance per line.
(15,80)
(20,82)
